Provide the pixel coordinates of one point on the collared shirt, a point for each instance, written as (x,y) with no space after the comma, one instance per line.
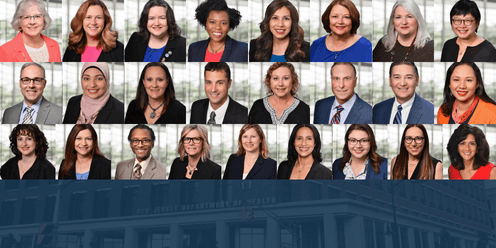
(348,171)
(34,113)
(347,107)
(407,106)
(143,164)
(219,113)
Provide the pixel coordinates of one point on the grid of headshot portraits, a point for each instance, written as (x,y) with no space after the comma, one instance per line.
(216,89)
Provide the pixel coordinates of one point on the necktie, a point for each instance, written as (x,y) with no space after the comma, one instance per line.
(137,172)
(212,118)
(28,119)
(397,117)
(337,117)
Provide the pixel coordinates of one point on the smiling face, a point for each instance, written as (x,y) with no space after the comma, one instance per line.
(304,142)
(155,83)
(157,22)
(84,143)
(404,23)
(361,149)
(191,148)
(32,26)
(462,30)
(280,23)
(413,148)
(93,83)
(218,25)
(141,149)
(463,83)
(340,20)
(32,93)
(403,82)
(251,141)
(216,87)
(26,144)
(94,21)
(468,148)
(281,82)
(343,82)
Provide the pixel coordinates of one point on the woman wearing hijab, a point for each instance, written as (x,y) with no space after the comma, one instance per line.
(96,105)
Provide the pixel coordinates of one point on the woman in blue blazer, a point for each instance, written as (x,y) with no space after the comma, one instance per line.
(360,160)
(251,160)
(218,19)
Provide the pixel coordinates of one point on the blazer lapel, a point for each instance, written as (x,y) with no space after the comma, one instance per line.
(14,118)
(370,171)
(203,113)
(171,45)
(415,112)
(106,111)
(43,111)
(93,171)
(328,108)
(256,167)
(231,112)
(149,172)
(313,170)
(227,49)
(199,173)
(354,111)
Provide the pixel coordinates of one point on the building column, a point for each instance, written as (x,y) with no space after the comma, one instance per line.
(221,234)
(330,230)
(176,236)
(354,228)
(129,237)
(88,236)
(273,233)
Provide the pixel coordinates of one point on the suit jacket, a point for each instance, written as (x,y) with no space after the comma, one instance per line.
(317,171)
(234,51)
(305,47)
(338,174)
(41,169)
(422,112)
(235,113)
(114,55)
(99,169)
(206,169)
(15,51)
(175,50)
(111,113)
(262,169)
(360,113)
(48,113)
(154,170)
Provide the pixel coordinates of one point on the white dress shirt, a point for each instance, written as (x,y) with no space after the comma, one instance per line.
(407,106)
(347,107)
(219,113)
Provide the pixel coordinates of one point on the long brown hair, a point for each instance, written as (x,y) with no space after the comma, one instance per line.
(374,158)
(426,166)
(263,149)
(70,150)
(142,96)
(77,39)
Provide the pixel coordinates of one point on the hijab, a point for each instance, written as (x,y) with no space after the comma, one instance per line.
(91,107)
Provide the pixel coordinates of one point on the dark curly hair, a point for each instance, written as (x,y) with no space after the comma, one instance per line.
(293,154)
(460,134)
(172,28)
(203,11)
(32,131)
(265,41)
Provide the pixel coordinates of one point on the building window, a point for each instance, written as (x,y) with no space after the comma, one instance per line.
(128,200)
(439,198)
(333,193)
(32,183)
(421,193)
(413,196)
(101,203)
(314,193)
(430,197)
(7,212)
(49,208)
(26,241)
(11,184)
(404,237)
(421,239)
(254,237)
(70,240)
(160,192)
(160,240)
(29,206)
(447,203)
(380,240)
(76,206)
(369,232)
(189,192)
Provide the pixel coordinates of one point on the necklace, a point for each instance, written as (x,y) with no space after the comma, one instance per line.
(216,51)
(152,115)
(335,48)
(460,52)
(301,167)
(191,169)
(407,53)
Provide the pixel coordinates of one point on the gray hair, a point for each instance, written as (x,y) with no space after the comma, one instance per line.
(23,6)
(33,63)
(422,34)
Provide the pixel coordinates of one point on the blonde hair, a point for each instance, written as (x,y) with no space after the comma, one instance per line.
(205,151)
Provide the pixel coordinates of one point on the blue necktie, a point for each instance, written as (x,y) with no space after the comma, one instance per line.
(397,117)
(337,117)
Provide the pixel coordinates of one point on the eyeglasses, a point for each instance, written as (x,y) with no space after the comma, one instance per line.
(417,139)
(465,22)
(136,142)
(196,140)
(36,81)
(28,17)
(355,141)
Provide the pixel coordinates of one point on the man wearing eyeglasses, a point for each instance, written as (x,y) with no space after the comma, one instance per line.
(143,166)
(35,109)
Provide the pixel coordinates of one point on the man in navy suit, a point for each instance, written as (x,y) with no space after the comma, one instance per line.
(345,106)
(218,108)
(406,107)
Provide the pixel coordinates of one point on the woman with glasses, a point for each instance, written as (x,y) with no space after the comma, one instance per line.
(467,46)
(414,160)
(194,151)
(29,45)
(360,160)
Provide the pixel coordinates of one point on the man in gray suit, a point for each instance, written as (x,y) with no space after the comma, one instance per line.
(35,109)
(144,166)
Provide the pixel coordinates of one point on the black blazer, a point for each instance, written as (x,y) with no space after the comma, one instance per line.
(99,169)
(234,51)
(175,50)
(235,113)
(206,169)
(305,47)
(262,169)
(317,171)
(111,113)
(114,55)
(175,114)
(41,169)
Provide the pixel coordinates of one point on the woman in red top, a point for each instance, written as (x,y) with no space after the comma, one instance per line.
(469,154)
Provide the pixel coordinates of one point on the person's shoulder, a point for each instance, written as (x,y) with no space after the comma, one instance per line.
(302,103)
(450,42)
(135,37)
(384,103)
(11,162)
(320,40)
(119,45)
(200,102)
(177,161)
(212,164)
(284,164)
(237,104)
(116,101)
(124,162)
(424,102)
(132,104)
(258,102)
(102,160)
(177,104)
(49,41)
(198,43)
(325,100)
(238,43)
(75,99)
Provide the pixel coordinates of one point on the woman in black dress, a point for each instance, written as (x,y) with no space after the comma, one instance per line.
(155,101)
(29,146)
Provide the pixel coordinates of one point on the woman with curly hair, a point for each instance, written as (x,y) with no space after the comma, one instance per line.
(29,146)
(91,39)
(281,105)
(469,155)
(218,19)
(282,38)
(158,39)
